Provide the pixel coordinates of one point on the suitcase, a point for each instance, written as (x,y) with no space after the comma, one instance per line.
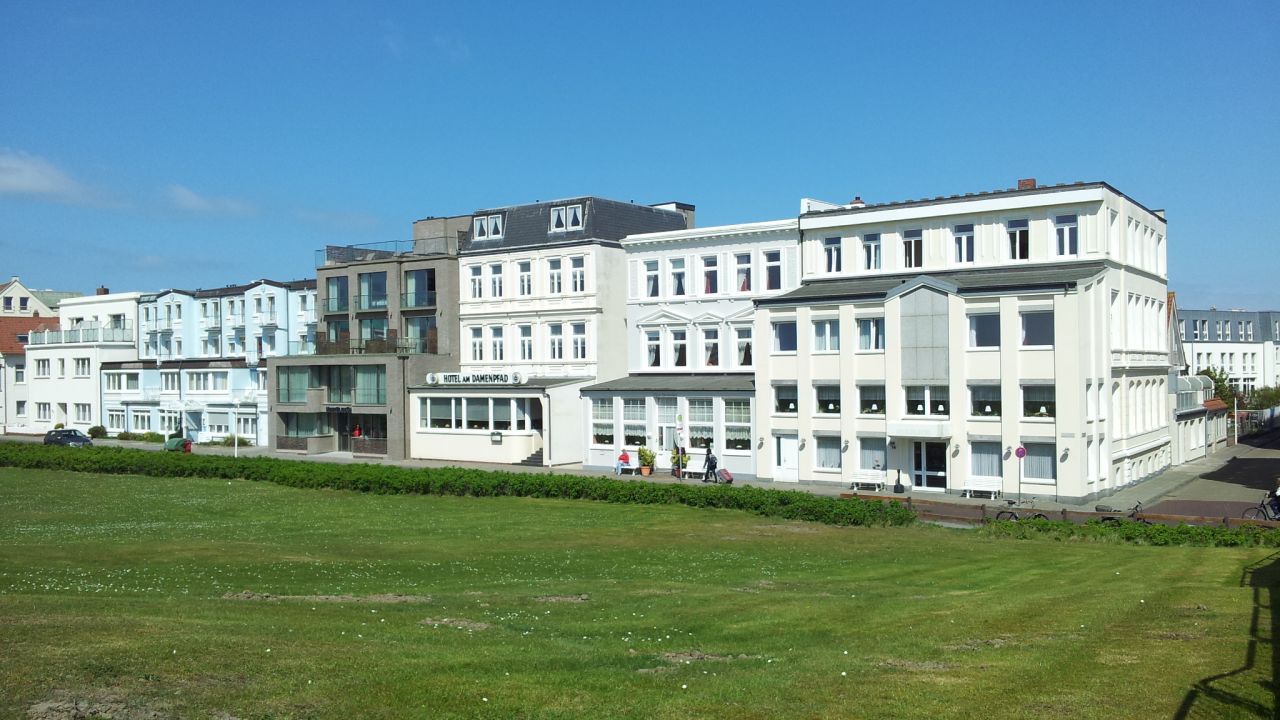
(724,476)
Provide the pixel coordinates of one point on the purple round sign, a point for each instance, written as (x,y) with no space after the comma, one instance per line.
(1021,452)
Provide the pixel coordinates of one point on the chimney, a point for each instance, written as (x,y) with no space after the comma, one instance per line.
(856,202)
(1027,184)
(683,208)
(102,290)
(13,278)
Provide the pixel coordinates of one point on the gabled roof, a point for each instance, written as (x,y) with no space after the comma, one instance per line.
(995,279)
(51,298)
(233,290)
(12,327)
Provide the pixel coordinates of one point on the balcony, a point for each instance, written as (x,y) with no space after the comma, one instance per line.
(158,325)
(414,301)
(235,320)
(1139,358)
(388,346)
(265,319)
(81,335)
(212,322)
(336,305)
(368,446)
(307,316)
(302,347)
(366,303)
(343,254)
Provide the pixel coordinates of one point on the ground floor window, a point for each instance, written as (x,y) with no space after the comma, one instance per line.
(20,408)
(115,419)
(701,423)
(304,424)
(486,414)
(985,459)
(218,423)
(871,455)
(170,421)
(43,411)
(1040,462)
(737,424)
(141,420)
(828,451)
(84,412)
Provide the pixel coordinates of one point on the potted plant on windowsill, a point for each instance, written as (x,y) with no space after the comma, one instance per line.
(647,457)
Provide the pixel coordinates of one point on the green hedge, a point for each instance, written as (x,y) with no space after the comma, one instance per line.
(1129,531)
(386,479)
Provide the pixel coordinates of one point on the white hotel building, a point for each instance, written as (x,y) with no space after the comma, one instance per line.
(541,314)
(1003,342)
(691,345)
(1244,345)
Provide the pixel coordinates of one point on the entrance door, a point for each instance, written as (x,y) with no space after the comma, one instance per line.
(786,457)
(929,465)
(341,423)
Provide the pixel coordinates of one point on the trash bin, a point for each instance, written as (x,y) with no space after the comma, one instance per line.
(174,444)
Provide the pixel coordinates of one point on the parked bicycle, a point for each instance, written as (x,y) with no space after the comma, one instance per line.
(1262,511)
(1027,513)
(1132,514)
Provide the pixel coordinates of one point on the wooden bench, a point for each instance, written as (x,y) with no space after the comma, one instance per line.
(991,488)
(633,469)
(873,480)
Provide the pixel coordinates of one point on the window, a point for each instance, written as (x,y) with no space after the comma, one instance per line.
(871,251)
(496,345)
(826,335)
(44,411)
(487,227)
(913,248)
(495,280)
(1182,330)
(8,304)
(710,275)
(651,278)
(23,304)
(653,348)
(19,374)
(246,426)
(828,397)
(602,421)
(1019,240)
(1068,235)
(984,459)
(565,219)
(477,343)
(737,424)
(371,385)
(828,451)
(928,400)
(121,381)
(633,421)
(984,400)
(743,279)
(578,274)
(115,419)
(1040,462)
(1248,331)
(526,342)
(477,282)
(42,368)
(373,292)
(831,253)
(579,340)
(784,336)
(1038,401)
(711,347)
(554,284)
(701,423)
(82,367)
(772,269)
(871,334)
(744,347)
(785,399)
(677,276)
(207,381)
(62,367)
(871,399)
(556,341)
(871,454)
(84,413)
(963,236)
(525,271)
(1037,329)
(984,331)
(141,420)
(680,347)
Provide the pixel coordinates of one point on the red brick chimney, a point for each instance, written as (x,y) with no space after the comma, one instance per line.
(1027,184)
(102,290)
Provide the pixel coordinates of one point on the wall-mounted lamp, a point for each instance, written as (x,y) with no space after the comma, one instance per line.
(759,443)
(845,446)
(1066,452)
(802,443)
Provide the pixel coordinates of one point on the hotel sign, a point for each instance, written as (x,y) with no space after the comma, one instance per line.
(495,378)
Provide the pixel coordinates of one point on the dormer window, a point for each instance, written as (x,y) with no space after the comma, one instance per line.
(566,219)
(487,227)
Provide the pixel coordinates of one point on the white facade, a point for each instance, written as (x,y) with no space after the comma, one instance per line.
(63,369)
(690,345)
(1243,345)
(966,329)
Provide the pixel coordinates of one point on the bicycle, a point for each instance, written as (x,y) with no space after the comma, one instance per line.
(1011,513)
(1262,511)
(1132,514)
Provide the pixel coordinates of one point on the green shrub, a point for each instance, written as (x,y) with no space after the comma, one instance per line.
(97,431)
(647,457)
(154,437)
(1136,533)
(126,435)
(234,440)
(457,481)
(58,426)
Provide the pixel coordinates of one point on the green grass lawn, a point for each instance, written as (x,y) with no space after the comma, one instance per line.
(112,593)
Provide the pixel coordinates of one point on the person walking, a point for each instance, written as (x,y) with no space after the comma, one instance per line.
(709,466)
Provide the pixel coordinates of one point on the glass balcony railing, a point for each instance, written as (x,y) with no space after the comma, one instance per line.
(371,302)
(417,300)
(335,305)
(297,347)
(394,346)
(81,335)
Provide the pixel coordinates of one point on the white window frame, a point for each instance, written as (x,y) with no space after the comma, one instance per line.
(831,252)
(826,335)
(871,252)
(964,244)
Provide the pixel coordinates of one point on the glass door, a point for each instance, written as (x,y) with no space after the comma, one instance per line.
(929,465)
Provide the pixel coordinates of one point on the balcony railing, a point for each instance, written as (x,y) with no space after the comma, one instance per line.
(235,320)
(409,301)
(81,335)
(302,347)
(307,316)
(342,254)
(369,446)
(265,319)
(157,325)
(395,346)
(370,302)
(335,305)
(212,322)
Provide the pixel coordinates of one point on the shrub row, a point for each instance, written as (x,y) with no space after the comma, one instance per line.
(384,479)
(1137,533)
(144,437)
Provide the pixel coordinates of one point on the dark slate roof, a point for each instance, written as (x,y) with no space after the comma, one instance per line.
(231,290)
(528,226)
(1021,277)
(1040,190)
(680,383)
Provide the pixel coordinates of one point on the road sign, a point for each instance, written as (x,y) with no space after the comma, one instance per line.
(1021,452)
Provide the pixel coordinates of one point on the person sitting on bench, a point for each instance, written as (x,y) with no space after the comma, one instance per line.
(624,462)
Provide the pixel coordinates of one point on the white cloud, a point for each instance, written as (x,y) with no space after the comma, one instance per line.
(25,174)
(184,198)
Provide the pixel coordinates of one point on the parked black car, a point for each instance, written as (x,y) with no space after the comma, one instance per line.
(73,438)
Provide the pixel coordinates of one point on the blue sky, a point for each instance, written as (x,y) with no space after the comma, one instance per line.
(154,145)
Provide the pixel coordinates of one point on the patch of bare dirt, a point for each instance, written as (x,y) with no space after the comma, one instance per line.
(106,707)
(981,644)
(563,598)
(756,586)
(799,528)
(691,656)
(379,599)
(456,623)
(898,664)
(1174,635)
